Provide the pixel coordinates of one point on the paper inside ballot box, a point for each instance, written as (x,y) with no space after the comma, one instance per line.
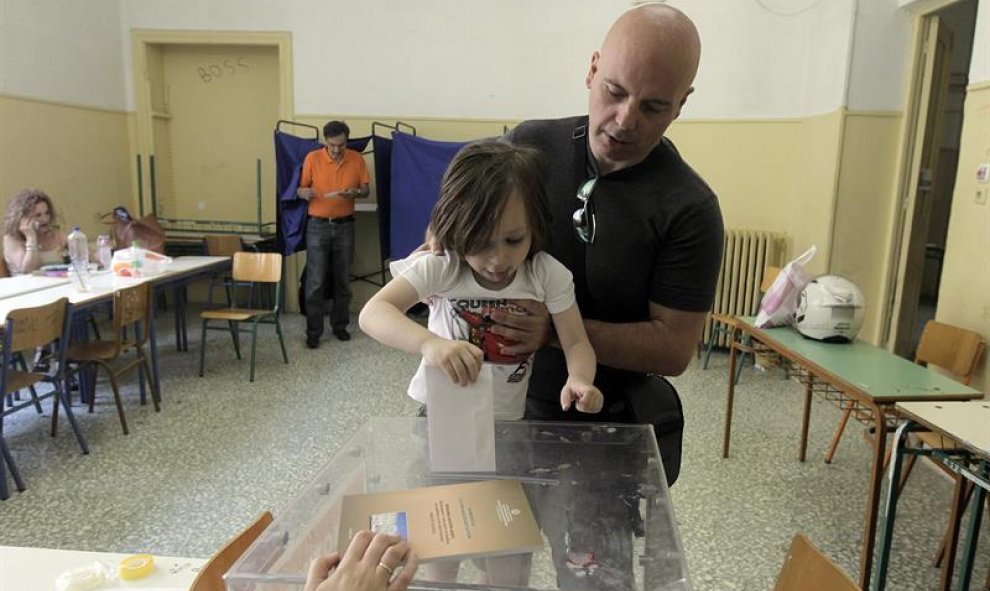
(486,518)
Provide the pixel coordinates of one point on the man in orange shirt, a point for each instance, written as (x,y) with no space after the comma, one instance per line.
(332,177)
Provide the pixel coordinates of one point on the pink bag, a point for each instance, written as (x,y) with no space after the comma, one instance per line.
(780,301)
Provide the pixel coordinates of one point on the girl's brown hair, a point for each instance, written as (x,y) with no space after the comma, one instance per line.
(475,188)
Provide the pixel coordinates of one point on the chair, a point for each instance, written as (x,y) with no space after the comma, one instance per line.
(223,245)
(954,349)
(132,313)
(249,269)
(210,577)
(724,323)
(806,568)
(28,329)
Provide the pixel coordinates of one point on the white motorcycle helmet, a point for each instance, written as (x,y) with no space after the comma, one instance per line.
(830,309)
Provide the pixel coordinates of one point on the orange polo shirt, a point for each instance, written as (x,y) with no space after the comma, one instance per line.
(324,175)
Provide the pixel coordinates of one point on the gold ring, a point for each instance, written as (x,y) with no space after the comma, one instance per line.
(386,567)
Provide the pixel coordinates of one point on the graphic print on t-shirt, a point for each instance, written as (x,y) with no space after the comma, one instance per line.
(472,322)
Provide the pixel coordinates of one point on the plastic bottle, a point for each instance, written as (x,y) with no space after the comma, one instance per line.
(104,251)
(79,257)
(137,260)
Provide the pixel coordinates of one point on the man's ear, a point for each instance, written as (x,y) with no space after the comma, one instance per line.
(684,99)
(593,69)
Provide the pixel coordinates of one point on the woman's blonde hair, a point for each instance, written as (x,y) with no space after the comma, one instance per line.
(22,204)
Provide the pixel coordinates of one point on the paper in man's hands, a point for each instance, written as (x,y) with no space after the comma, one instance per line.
(461,422)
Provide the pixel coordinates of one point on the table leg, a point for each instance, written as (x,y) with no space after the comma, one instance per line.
(732,390)
(975,517)
(153,343)
(805,419)
(893,493)
(873,497)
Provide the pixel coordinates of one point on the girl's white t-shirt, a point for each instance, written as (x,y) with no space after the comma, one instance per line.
(461,309)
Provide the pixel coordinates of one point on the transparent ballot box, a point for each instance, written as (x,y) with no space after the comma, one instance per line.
(597,491)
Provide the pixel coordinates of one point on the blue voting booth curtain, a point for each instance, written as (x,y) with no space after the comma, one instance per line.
(382,148)
(290,153)
(417,168)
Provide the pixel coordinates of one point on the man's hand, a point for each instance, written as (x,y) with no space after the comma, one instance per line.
(305,193)
(460,360)
(530,329)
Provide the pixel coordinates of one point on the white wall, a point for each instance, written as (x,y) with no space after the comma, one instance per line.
(456,58)
(448,58)
(880,65)
(979,67)
(62,50)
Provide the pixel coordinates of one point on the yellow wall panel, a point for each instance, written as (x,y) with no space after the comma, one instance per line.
(860,237)
(964,296)
(79,156)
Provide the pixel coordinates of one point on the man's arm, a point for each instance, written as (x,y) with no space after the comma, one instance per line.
(663,344)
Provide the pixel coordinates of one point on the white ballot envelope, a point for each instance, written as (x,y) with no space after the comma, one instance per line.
(461,422)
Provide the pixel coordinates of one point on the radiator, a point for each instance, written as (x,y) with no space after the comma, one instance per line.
(746,254)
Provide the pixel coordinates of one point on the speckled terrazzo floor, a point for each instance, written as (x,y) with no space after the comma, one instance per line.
(223,449)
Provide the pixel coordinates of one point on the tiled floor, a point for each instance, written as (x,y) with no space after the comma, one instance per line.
(223,449)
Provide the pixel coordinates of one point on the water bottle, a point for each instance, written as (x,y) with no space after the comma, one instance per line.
(79,257)
(104,251)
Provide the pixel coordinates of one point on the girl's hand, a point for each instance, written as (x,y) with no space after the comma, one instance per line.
(460,360)
(587,397)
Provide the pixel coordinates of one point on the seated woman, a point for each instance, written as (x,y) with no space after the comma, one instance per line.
(30,237)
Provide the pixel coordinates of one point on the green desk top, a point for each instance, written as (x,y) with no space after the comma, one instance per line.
(872,370)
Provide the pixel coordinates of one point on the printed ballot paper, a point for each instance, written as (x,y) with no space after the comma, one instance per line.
(461,422)
(487,518)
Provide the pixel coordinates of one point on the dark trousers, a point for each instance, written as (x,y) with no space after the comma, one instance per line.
(328,246)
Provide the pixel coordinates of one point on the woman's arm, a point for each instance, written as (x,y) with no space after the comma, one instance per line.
(384,319)
(21,257)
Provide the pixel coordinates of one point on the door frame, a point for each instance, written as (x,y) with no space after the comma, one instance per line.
(142,38)
(905,202)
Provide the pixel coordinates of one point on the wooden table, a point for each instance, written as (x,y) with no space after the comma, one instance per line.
(25,569)
(858,376)
(966,428)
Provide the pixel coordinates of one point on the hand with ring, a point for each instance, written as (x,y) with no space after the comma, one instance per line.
(371,562)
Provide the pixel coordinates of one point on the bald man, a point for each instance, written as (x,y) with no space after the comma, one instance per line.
(638,228)
(642,234)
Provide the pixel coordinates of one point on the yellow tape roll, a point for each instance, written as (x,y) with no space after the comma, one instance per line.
(137,567)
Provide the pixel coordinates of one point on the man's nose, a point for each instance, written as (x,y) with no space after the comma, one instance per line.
(627,115)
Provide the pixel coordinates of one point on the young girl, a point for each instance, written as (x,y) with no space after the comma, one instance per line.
(491,220)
